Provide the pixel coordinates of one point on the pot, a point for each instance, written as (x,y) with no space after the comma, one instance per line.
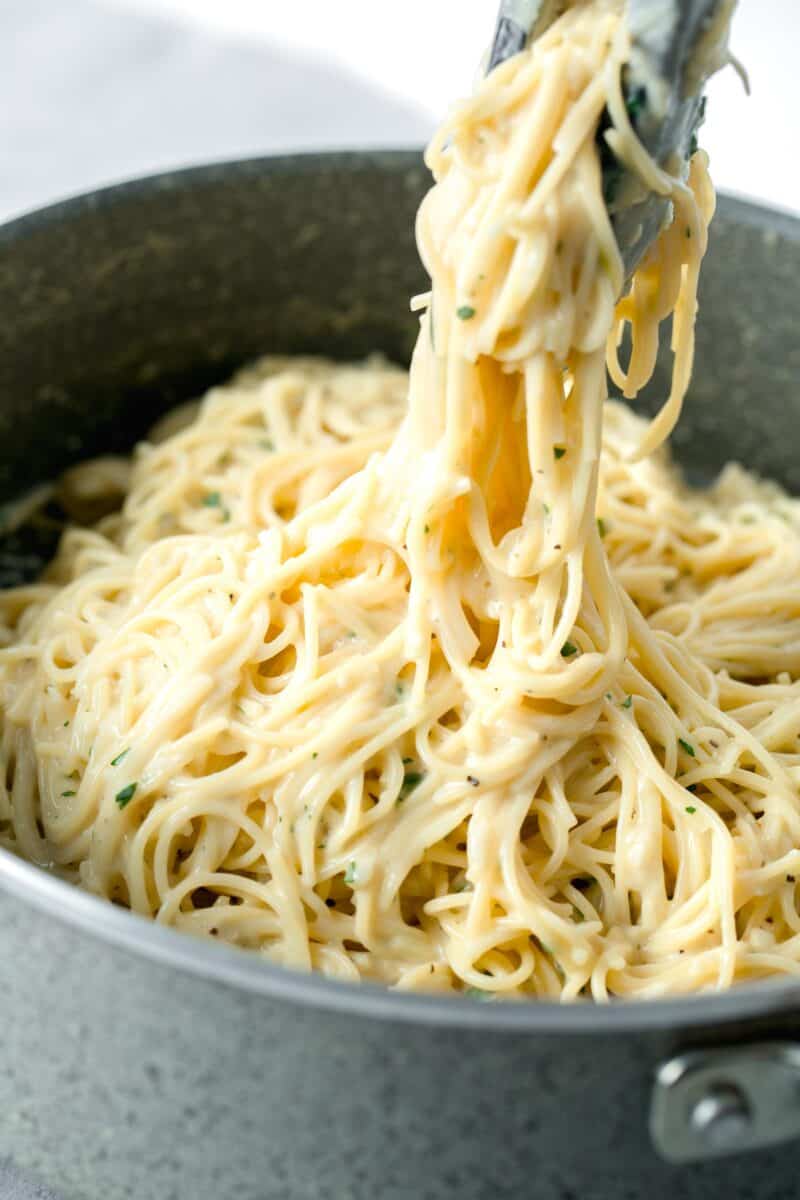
(138,1062)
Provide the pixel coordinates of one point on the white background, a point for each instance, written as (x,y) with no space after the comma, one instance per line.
(425,52)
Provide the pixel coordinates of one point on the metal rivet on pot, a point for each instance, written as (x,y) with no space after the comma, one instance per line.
(722,1115)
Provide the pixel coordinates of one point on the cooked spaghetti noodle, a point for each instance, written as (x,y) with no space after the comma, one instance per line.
(439,681)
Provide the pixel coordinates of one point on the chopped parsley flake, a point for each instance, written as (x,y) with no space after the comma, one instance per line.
(636,103)
(123,754)
(602,528)
(214,500)
(411,780)
(690,808)
(687,747)
(465,313)
(567,650)
(124,797)
(627,702)
(559,451)
(69,793)
(351,874)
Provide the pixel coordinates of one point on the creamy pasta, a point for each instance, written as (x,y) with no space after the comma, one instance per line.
(444,680)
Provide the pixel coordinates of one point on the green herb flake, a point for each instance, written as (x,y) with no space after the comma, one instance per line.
(123,754)
(66,723)
(691,787)
(69,793)
(636,103)
(690,808)
(602,528)
(411,780)
(315,754)
(559,452)
(567,650)
(627,702)
(465,313)
(688,231)
(214,500)
(427,529)
(687,747)
(351,874)
(124,797)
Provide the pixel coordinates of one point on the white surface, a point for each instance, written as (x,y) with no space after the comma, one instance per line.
(94,92)
(425,51)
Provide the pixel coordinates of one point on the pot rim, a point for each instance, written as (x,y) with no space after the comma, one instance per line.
(771,218)
(246,970)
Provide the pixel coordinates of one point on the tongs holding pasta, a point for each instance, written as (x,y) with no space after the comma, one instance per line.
(674,46)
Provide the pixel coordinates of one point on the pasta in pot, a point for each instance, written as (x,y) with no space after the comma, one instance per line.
(444,680)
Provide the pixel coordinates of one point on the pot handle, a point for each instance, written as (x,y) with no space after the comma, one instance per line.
(709,1103)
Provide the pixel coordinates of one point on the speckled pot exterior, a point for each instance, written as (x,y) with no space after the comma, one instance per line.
(140,1064)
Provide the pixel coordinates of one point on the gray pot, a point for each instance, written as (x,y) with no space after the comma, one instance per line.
(139,1063)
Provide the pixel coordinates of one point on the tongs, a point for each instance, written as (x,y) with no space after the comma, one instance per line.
(662,84)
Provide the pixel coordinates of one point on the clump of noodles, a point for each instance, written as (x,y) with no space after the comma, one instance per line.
(452,696)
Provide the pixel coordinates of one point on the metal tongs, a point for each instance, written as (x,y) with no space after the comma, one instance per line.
(662,85)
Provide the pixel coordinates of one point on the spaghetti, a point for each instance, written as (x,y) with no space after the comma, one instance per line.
(447,680)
